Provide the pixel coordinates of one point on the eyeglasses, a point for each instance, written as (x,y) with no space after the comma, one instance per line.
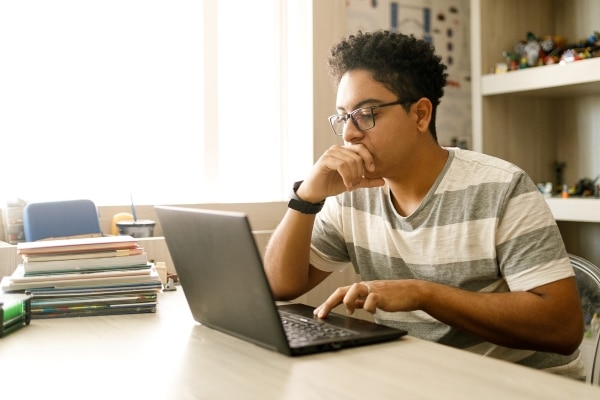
(362,118)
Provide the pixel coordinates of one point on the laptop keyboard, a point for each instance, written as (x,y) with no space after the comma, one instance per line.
(300,330)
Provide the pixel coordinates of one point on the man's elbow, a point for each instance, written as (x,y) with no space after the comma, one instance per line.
(572,340)
(283,289)
(284,294)
(568,337)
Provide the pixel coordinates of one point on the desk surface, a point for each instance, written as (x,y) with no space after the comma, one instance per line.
(168,356)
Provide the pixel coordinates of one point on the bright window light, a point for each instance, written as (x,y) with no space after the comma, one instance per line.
(170,101)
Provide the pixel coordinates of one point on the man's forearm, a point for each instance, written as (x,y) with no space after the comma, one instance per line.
(527,320)
(287,256)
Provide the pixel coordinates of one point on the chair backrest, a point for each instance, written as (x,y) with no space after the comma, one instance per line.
(55,219)
(588,283)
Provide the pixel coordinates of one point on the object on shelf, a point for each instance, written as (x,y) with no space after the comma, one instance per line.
(512,63)
(531,50)
(559,168)
(537,51)
(501,68)
(587,187)
(461,143)
(569,55)
(545,189)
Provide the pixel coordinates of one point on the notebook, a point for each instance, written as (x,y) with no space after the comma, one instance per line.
(221,273)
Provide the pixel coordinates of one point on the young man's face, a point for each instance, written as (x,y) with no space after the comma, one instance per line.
(393,138)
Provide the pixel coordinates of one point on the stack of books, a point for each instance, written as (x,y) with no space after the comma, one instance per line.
(85,276)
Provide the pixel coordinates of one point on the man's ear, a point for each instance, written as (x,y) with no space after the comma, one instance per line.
(423,109)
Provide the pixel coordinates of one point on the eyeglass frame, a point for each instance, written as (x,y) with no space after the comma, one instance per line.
(350,115)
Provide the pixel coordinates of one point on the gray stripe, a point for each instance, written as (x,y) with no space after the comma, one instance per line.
(438,332)
(519,249)
(473,203)
(373,266)
(547,360)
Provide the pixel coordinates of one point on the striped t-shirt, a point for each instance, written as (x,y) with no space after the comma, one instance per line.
(482,227)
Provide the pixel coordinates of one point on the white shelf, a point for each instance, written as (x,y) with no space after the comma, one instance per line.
(558,80)
(586,209)
(523,116)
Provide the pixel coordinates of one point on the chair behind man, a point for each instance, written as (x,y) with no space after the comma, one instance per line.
(57,219)
(588,283)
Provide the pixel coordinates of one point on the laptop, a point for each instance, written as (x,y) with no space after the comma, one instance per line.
(221,273)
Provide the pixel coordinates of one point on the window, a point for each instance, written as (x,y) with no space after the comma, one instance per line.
(169,101)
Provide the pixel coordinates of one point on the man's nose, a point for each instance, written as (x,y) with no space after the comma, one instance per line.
(351,132)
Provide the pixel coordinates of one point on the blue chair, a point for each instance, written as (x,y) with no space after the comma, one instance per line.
(58,219)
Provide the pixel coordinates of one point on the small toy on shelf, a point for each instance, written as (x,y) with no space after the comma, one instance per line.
(531,50)
(559,168)
(586,187)
(549,49)
(545,189)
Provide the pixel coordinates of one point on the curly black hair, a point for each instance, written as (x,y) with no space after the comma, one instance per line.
(407,66)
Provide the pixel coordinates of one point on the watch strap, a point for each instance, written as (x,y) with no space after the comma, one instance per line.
(296,203)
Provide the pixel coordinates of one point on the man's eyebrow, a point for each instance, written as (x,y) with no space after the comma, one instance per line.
(360,104)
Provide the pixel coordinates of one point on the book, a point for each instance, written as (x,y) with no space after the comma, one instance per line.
(85,264)
(47,293)
(19,282)
(80,255)
(81,272)
(92,301)
(93,310)
(71,301)
(79,303)
(77,245)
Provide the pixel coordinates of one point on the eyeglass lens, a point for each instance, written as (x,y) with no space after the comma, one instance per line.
(362,118)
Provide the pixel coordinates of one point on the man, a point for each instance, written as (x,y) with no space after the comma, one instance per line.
(452,245)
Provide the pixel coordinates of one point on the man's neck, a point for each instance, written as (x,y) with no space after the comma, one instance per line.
(408,193)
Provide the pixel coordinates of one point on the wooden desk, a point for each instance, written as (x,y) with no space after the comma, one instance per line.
(168,356)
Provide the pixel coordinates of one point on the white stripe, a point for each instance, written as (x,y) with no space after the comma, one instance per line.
(450,243)
(471,166)
(504,353)
(540,274)
(536,217)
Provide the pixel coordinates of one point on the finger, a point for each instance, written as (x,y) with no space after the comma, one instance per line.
(332,301)
(372,298)
(370,303)
(355,297)
(365,155)
(348,163)
(351,168)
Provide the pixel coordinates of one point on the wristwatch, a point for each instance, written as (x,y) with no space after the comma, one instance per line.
(296,203)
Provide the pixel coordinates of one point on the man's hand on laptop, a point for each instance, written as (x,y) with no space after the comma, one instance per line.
(387,295)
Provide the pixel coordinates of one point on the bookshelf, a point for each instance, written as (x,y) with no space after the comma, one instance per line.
(575,209)
(537,116)
(558,80)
